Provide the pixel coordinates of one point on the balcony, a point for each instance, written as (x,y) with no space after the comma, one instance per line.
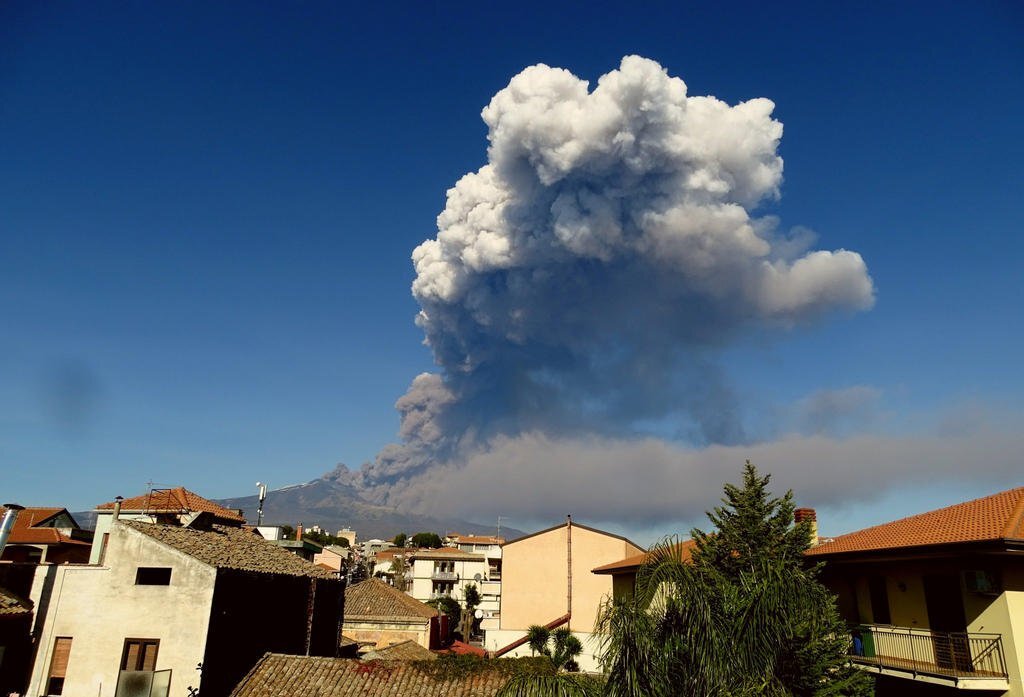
(444,576)
(968,661)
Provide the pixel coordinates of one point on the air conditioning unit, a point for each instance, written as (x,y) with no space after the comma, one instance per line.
(982,582)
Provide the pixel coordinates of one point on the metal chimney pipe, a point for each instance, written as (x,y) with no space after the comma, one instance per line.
(117,508)
(8,523)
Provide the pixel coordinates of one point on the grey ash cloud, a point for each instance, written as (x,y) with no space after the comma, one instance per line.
(585,278)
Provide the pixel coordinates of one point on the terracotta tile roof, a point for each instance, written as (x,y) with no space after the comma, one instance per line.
(11,604)
(407,650)
(373,599)
(28,517)
(634,562)
(389,554)
(989,519)
(575,525)
(277,675)
(176,500)
(226,547)
(461,648)
(479,540)
(447,553)
(24,531)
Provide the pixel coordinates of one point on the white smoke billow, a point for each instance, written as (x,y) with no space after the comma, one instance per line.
(583,279)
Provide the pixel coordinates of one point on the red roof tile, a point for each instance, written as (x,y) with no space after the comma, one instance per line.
(277,675)
(407,650)
(230,547)
(176,500)
(451,553)
(24,531)
(461,648)
(373,599)
(989,519)
(479,540)
(634,562)
(11,604)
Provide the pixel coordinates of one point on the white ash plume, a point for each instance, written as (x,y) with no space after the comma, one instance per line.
(583,280)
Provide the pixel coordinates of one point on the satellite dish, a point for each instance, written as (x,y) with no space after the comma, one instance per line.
(477,577)
(478,614)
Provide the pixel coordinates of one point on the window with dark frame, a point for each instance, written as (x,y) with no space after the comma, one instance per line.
(139,654)
(153,576)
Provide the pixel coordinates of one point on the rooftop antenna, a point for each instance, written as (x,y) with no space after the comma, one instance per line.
(499,526)
(261,492)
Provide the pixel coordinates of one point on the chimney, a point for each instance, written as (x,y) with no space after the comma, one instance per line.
(808,514)
(298,533)
(8,522)
(117,508)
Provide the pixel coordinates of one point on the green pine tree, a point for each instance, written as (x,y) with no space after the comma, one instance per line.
(747,616)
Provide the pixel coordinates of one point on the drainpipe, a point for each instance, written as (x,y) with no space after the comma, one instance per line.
(568,557)
(8,523)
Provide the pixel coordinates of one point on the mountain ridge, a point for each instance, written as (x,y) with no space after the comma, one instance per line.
(332,503)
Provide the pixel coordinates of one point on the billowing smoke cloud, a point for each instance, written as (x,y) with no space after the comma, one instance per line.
(583,280)
(647,481)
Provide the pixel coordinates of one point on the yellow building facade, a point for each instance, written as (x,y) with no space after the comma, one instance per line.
(936,600)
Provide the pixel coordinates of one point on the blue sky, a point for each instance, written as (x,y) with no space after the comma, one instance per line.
(207,213)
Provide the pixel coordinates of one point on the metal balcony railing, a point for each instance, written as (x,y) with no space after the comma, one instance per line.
(922,651)
(444,576)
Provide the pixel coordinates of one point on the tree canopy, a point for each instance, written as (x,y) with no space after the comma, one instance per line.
(427,540)
(745,616)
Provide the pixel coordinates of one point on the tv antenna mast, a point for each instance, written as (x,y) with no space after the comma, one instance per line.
(261,493)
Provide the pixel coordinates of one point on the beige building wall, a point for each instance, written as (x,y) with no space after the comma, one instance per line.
(535,585)
(100,606)
(1003,615)
(535,570)
(387,633)
(328,558)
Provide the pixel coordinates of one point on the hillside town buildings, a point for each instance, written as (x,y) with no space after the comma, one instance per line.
(183,596)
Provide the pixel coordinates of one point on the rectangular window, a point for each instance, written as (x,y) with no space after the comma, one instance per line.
(139,654)
(153,576)
(58,665)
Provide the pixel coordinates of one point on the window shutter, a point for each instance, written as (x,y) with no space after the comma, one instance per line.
(61,654)
(131,655)
(149,655)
